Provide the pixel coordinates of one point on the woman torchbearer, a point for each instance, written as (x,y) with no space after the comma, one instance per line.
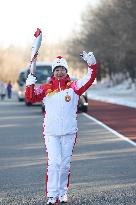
(60,97)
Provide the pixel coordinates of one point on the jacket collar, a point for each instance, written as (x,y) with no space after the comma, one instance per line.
(59,83)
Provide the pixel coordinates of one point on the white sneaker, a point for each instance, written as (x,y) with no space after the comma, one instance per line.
(63,199)
(51,201)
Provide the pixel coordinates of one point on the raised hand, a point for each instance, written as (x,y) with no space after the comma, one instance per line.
(88,57)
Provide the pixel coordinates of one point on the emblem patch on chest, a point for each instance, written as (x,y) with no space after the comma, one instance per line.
(67,97)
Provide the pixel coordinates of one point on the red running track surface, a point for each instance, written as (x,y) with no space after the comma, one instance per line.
(118,117)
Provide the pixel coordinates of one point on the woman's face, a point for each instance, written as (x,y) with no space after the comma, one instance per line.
(60,72)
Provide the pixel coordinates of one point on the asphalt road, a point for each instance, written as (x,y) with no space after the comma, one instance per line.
(103,165)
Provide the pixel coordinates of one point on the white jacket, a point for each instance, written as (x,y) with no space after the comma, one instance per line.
(61,100)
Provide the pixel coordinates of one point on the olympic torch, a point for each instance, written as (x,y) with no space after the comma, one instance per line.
(34,54)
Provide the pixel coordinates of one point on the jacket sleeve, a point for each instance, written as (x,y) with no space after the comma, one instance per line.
(34,94)
(80,86)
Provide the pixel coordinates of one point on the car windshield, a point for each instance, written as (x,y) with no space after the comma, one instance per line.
(42,73)
(21,79)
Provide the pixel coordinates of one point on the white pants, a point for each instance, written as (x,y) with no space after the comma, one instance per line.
(59,150)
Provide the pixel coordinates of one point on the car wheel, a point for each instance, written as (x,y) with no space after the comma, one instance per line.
(28,103)
(20,100)
(43,109)
(85,109)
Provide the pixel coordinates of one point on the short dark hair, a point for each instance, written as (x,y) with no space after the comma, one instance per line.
(59,67)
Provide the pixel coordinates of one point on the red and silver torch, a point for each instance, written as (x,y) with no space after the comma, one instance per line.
(34,54)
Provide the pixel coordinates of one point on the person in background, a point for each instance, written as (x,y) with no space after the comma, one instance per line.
(2,90)
(9,89)
(60,97)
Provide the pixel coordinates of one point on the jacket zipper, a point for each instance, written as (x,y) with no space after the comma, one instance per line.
(61,119)
(59,86)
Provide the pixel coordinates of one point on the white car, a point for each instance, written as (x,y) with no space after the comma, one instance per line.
(43,71)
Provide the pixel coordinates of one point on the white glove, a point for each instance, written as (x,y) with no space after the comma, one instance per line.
(30,80)
(89,58)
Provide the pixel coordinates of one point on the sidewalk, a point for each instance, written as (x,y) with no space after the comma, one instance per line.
(116,95)
(9,100)
(105,104)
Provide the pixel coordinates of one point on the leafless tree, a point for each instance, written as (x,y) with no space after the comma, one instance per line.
(110,32)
